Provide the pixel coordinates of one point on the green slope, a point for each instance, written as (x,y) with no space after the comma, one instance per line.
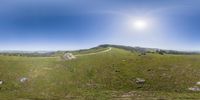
(108,75)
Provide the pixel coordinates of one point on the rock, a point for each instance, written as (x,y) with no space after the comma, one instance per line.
(128,95)
(198,83)
(1,82)
(195,88)
(69,56)
(24,79)
(140,81)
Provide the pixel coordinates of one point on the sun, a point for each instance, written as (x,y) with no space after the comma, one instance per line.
(140,24)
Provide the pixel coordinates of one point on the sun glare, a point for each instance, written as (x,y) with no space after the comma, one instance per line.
(139,24)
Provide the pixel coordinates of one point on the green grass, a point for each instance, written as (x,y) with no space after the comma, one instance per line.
(93,50)
(109,75)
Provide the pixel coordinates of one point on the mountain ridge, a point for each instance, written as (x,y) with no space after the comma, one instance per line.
(129,48)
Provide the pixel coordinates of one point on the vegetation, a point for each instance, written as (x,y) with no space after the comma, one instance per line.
(102,76)
(91,50)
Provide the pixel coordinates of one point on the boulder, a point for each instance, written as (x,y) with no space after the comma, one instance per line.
(195,88)
(1,82)
(68,56)
(198,83)
(140,81)
(23,79)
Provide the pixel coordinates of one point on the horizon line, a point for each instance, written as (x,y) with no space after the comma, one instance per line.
(49,50)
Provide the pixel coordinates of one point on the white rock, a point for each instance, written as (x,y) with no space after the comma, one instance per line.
(1,82)
(68,56)
(24,79)
(140,80)
(198,83)
(195,88)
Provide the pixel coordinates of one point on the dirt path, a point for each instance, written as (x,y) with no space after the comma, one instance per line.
(109,49)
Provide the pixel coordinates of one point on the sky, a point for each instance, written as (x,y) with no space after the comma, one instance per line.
(78,24)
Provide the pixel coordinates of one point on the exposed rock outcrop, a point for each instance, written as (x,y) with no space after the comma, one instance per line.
(68,56)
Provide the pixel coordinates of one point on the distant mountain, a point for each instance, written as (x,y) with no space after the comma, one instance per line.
(21,51)
(26,53)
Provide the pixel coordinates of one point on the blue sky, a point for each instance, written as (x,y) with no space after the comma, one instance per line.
(76,24)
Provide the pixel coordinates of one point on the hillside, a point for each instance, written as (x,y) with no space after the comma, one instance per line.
(149,50)
(116,74)
(95,49)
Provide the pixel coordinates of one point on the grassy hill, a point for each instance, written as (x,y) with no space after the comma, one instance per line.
(101,76)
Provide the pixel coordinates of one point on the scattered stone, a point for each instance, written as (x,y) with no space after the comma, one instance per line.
(140,81)
(124,60)
(1,82)
(24,79)
(195,88)
(127,95)
(69,56)
(198,83)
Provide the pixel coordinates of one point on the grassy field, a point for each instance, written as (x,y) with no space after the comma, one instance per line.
(102,76)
